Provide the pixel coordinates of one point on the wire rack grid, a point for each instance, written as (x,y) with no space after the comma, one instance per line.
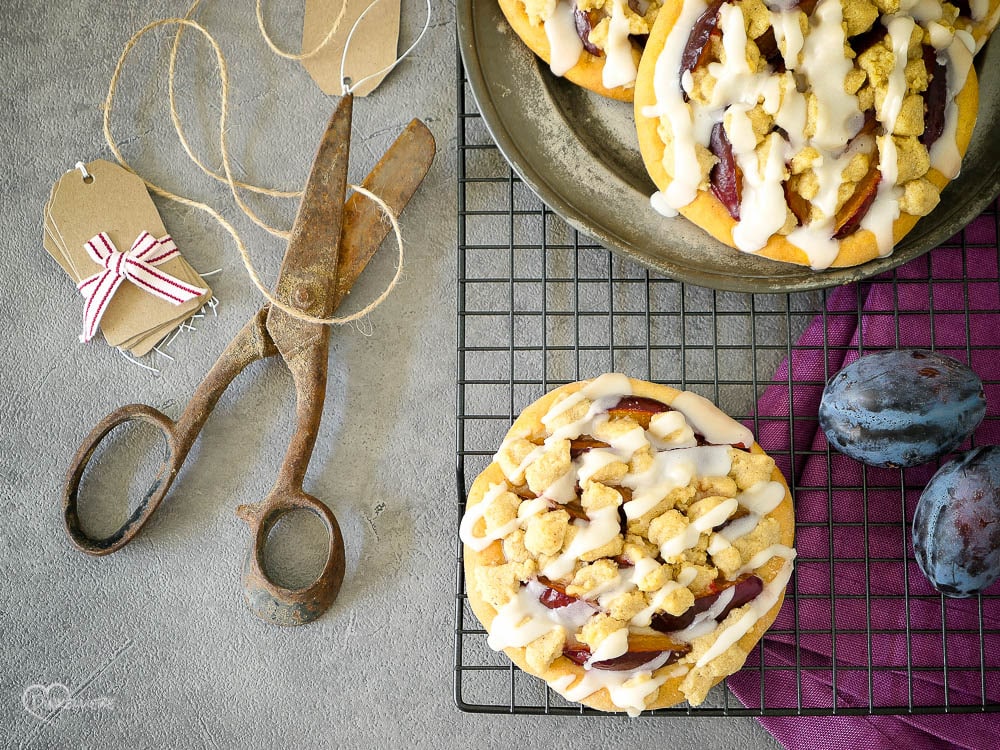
(540,305)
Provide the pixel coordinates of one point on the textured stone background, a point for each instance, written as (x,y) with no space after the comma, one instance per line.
(159,630)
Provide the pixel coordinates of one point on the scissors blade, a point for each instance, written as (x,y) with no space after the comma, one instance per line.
(308,270)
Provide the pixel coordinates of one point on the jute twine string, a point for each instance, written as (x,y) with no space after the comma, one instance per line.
(228,178)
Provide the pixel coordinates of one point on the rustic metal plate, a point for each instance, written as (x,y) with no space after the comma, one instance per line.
(579,153)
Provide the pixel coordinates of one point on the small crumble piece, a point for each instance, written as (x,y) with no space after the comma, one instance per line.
(638,548)
(728,561)
(859,15)
(642,461)
(611,473)
(916,76)
(510,457)
(656,579)
(702,85)
(856,168)
(626,606)
(866,98)
(597,628)
(911,116)
(698,682)
(887,7)
(715,487)
(615,428)
(812,114)
(912,159)
(877,61)
(705,576)
(750,468)
(591,577)
(502,511)
(678,601)
(597,496)
(611,549)
(541,652)
(513,547)
(539,11)
(667,526)
(915,50)
(693,555)
(573,414)
(678,497)
(767,532)
(671,428)
(805,184)
(706,160)
(598,35)
(854,80)
(499,584)
(804,159)
(550,467)
(919,197)
(706,505)
(761,122)
(756,17)
(546,532)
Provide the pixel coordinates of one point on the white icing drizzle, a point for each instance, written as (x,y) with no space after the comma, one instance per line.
(572,617)
(477,511)
(756,609)
(520,621)
(672,423)
(565,45)
(922,10)
(611,647)
(762,558)
(602,527)
(672,469)
(687,575)
(763,497)
(688,538)
(670,104)
(704,622)
(628,690)
(619,65)
(659,203)
(945,156)
(979,9)
(708,420)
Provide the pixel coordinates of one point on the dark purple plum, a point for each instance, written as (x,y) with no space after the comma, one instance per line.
(747,589)
(901,407)
(956,528)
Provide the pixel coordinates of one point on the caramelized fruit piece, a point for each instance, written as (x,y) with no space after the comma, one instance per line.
(554,596)
(583,444)
(642,650)
(638,408)
(725,177)
(935,98)
(747,588)
(798,204)
(574,509)
(807,6)
(768,47)
(867,39)
(585,22)
(697,41)
(851,213)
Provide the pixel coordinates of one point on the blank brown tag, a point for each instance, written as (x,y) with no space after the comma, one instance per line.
(373,46)
(115,202)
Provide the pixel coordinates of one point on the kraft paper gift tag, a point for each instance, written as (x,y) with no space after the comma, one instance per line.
(116,202)
(373,46)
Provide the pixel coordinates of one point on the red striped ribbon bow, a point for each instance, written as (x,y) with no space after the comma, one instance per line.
(138,266)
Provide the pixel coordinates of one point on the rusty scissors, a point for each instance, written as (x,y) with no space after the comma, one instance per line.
(319,267)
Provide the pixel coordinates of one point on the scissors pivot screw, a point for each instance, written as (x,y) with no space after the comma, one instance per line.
(303,297)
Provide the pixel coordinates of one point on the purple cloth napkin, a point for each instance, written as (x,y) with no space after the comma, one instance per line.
(923,650)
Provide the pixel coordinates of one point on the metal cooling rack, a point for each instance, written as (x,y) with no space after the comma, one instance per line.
(540,305)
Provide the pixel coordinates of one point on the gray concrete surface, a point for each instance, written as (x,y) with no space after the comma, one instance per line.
(155,642)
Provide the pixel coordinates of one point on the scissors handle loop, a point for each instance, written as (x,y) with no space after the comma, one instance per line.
(154,495)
